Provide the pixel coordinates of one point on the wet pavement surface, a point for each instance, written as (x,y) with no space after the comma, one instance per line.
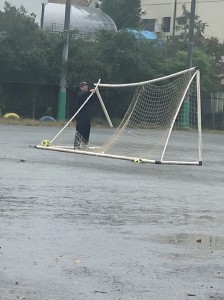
(82,227)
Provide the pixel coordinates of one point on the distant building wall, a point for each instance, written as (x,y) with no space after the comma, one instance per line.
(73,2)
(161,14)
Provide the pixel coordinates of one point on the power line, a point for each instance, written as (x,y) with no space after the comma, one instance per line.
(171,3)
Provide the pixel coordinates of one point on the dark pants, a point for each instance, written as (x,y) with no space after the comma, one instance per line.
(82,132)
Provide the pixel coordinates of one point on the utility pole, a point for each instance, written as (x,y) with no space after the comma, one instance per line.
(186,104)
(62,92)
(43,3)
(191,34)
(174,17)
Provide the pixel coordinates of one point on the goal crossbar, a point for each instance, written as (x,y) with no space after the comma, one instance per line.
(114,85)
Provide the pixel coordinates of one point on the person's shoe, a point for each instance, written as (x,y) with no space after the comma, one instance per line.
(83,147)
(77,147)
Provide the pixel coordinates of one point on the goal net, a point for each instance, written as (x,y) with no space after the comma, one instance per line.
(161,125)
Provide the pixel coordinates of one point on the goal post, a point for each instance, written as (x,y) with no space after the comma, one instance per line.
(186,114)
(157,127)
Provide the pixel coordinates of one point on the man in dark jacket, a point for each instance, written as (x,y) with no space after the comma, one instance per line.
(83,119)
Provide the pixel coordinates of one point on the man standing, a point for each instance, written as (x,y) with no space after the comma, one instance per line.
(83,119)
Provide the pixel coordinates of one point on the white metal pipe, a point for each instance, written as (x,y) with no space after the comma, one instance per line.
(199,116)
(128,158)
(104,108)
(174,119)
(145,82)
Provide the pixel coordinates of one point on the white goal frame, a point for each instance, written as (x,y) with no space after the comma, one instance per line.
(195,76)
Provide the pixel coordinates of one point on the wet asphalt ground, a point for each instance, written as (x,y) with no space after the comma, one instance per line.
(80,227)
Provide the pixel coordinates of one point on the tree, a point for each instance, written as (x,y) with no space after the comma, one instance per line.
(183,26)
(30,62)
(207,53)
(117,57)
(24,49)
(125,13)
(215,50)
(200,59)
(26,56)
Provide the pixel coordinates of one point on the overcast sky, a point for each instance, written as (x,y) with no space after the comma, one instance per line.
(30,5)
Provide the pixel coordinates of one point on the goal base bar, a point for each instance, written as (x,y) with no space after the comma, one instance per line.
(132,159)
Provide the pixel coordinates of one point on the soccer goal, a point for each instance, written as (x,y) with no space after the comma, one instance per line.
(162,124)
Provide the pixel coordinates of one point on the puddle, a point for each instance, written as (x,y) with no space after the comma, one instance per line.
(201,241)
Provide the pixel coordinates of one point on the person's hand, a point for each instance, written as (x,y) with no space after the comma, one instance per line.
(92,90)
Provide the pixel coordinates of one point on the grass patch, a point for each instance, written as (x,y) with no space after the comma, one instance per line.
(30,122)
(100,123)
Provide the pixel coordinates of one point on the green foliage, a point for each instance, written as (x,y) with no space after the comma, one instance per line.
(207,53)
(83,65)
(125,13)
(183,26)
(25,49)
(116,57)
(125,58)
(30,60)
(200,59)
(27,55)
(215,50)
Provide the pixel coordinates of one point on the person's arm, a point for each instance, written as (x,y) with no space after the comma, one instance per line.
(94,96)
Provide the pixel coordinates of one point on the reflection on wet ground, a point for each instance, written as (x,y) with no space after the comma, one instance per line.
(197,241)
(75,227)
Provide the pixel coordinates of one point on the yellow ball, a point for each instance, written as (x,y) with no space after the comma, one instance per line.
(45,143)
(136,160)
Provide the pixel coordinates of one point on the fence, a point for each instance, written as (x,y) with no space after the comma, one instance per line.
(32,100)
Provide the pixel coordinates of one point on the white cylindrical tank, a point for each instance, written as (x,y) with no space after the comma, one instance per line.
(84,19)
